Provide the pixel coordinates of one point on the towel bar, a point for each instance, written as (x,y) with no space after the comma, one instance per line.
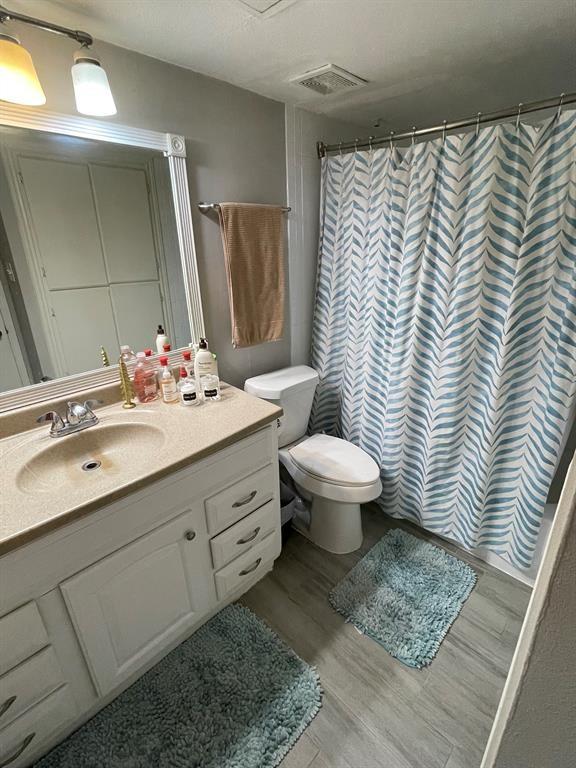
(207,207)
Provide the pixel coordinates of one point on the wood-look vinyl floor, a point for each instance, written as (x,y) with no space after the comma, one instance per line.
(376,712)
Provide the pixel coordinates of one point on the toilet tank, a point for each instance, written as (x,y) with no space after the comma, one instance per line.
(293,390)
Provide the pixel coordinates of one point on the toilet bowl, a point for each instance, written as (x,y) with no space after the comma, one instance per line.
(333,476)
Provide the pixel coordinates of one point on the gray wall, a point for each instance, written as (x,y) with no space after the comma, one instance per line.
(236,151)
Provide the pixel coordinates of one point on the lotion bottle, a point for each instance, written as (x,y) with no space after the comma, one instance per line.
(204,362)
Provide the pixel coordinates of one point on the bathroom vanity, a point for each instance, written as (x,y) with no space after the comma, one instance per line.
(104,571)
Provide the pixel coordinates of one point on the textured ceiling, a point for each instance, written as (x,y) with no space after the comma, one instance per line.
(425,60)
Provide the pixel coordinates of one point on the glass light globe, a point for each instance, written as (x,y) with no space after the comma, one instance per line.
(91,86)
(19,82)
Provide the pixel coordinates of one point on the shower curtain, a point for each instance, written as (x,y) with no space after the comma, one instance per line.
(445,324)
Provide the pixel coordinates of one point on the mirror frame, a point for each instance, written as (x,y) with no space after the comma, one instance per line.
(173,147)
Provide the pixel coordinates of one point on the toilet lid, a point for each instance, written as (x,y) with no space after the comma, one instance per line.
(335,461)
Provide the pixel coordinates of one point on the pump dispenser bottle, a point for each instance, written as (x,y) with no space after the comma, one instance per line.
(161,339)
(204,362)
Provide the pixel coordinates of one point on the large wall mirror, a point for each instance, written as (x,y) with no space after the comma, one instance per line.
(96,250)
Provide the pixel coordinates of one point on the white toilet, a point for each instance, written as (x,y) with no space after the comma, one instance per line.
(332,475)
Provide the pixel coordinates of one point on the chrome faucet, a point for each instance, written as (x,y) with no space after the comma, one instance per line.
(78,416)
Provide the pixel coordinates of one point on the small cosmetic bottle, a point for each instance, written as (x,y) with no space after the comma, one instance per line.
(167,383)
(210,387)
(188,364)
(187,389)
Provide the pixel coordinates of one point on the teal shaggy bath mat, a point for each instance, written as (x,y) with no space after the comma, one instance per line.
(405,594)
(232,696)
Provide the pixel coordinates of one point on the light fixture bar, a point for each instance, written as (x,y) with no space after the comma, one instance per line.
(75,34)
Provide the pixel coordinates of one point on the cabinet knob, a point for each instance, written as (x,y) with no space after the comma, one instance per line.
(190,535)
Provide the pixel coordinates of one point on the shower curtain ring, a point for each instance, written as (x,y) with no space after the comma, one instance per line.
(413,134)
(444,123)
(518,115)
(370,138)
(478,116)
(340,149)
(391,139)
(560,105)
(356,140)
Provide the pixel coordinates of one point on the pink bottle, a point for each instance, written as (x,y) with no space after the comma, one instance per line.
(145,382)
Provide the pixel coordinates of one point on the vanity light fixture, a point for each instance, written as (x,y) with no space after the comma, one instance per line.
(19,82)
(91,86)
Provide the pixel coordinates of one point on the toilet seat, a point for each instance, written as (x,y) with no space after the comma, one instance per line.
(336,461)
(358,474)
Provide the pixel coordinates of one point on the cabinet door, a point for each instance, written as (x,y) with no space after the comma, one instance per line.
(130,606)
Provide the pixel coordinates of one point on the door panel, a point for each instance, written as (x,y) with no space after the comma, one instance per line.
(138,310)
(126,223)
(85,323)
(64,219)
(10,375)
(130,606)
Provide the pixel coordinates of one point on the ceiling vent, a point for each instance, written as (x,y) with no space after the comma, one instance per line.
(328,79)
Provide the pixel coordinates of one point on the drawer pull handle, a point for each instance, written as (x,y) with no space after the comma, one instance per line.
(245,500)
(190,536)
(252,536)
(6,706)
(245,572)
(21,748)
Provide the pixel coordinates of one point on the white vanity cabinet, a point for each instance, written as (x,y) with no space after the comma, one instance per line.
(130,605)
(88,608)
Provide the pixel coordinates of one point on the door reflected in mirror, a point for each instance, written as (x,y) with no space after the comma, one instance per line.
(89,255)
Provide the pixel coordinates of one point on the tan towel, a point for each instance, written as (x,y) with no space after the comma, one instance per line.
(253,240)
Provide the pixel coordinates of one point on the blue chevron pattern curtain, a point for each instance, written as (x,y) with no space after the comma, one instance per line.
(445,324)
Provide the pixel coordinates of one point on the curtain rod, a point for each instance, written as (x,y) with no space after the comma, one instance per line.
(479,119)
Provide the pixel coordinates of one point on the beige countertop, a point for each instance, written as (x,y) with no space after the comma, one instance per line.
(42,486)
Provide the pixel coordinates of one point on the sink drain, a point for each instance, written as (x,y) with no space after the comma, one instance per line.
(88,466)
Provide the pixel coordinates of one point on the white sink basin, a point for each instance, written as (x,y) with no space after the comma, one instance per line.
(91,457)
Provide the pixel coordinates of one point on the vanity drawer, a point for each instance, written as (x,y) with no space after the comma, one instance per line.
(22,633)
(244,534)
(248,565)
(21,739)
(27,683)
(235,502)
